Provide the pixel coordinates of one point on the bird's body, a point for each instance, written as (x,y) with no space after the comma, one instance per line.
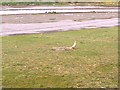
(65,48)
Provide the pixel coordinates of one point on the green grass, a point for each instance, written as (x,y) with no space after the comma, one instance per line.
(29,62)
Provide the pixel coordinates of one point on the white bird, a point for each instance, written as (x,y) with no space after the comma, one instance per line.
(74,45)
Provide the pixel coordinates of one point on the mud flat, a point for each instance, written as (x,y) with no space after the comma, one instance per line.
(43,18)
(64,25)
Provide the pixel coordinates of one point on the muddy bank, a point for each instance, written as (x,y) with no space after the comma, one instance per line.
(43,18)
(64,25)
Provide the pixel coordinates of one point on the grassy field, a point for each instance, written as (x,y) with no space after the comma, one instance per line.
(29,62)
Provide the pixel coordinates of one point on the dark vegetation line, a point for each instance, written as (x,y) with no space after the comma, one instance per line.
(62,3)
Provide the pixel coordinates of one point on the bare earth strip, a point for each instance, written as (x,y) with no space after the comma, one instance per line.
(43,18)
(13,29)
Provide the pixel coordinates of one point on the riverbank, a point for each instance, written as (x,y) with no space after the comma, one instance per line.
(65,25)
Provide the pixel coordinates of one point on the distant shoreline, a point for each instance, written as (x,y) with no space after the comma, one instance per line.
(24,4)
